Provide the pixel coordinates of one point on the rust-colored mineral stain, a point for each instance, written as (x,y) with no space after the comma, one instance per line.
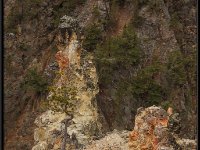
(163,122)
(62,59)
(133,135)
(146,139)
(155,142)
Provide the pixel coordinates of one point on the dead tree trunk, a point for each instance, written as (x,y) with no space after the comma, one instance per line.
(65,136)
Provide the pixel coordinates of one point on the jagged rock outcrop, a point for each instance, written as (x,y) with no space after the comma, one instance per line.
(80,72)
(49,130)
(68,23)
(152,130)
(84,123)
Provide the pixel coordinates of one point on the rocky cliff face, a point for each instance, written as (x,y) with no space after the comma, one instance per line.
(159,31)
(188,29)
(75,70)
(79,73)
(28,43)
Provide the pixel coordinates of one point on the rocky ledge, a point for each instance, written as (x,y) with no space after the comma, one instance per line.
(155,129)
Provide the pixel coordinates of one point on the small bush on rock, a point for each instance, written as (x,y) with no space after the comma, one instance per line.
(34,81)
(92,37)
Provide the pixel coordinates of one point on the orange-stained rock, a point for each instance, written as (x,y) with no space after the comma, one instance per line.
(149,131)
(62,59)
(163,122)
(133,135)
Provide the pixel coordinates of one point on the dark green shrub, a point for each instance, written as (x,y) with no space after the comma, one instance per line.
(130,46)
(175,69)
(117,54)
(145,86)
(123,51)
(92,37)
(35,82)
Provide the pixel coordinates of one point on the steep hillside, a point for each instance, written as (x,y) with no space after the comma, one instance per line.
(158,75)
(76,70)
